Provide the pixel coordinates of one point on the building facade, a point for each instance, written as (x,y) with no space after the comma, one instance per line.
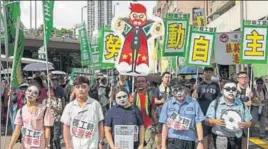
(162,7)
(226,15)
(99,13)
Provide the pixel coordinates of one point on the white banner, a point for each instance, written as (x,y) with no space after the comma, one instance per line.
(227,48)
(125,135)
(201,49)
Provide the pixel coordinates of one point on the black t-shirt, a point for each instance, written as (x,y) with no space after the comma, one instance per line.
(207,92)
(123,116)
(241,94)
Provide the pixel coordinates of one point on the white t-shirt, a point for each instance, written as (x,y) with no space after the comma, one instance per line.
(83,123)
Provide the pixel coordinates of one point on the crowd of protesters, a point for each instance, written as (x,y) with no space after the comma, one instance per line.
(173,114)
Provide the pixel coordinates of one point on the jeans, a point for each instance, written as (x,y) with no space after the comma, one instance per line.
(12,115)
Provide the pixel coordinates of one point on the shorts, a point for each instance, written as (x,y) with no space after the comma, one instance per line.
(207,130)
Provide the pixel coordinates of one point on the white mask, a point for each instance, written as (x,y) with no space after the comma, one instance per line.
(32,93)
(178,91)
(121,98)
(229,90)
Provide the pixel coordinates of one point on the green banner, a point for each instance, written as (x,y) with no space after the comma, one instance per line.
(254,46)
(48,7)
(16,78)
(84,45)
(260,70)
(95,58)
(109,46)
(200,46)
(176,34)
(12,13)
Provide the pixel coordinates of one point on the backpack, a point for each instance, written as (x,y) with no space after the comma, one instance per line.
(93,93)
(150,96)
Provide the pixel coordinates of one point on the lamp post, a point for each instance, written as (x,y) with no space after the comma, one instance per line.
(82,17)
(114,8)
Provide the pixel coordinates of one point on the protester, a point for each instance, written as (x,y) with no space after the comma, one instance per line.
(34,121)
(13,107)
(59,91)
(206,92)
(56,106)
(182,118)
(225,137)
(82,119)
(124,113)
(103,94)
(258,109)
(161,93)
(245,94)
(144,100)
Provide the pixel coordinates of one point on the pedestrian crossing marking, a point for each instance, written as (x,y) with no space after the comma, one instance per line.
(259,142)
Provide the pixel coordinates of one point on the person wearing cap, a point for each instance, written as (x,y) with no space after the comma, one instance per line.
(182,118)
(206,91)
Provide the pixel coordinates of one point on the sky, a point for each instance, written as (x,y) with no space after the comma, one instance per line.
(68,13)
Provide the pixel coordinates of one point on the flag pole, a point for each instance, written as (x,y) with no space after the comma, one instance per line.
(10,84)
(1,74)
(6,36)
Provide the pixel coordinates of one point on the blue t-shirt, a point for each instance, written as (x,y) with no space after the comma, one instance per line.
(189,108)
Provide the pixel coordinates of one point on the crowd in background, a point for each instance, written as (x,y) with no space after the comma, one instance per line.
(85,116)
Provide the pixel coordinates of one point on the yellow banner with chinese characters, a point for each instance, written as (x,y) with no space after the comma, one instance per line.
(110,45)
(201,45)
(176,33)
(254,42)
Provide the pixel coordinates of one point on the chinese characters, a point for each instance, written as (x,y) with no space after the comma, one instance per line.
(255,44)
(233,49)
(176,36)
(201,49)
(112,46)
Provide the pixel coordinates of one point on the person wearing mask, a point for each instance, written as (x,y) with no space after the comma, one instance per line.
(245,94)
(56,106)
(182,118)
(258,110)
(144,100)
(161,93)
(122,84)
(33,121)
(227,134)
(124,113)
(205,93)
(82,119)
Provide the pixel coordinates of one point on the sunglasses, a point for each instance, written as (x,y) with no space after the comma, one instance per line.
(230,88)
(120,97)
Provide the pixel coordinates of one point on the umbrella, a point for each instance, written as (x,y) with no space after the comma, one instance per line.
(190,70)
(6,71)
(38,67)
(58,72)
(154,78)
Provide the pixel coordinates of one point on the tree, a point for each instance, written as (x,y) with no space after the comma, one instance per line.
(55,31)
